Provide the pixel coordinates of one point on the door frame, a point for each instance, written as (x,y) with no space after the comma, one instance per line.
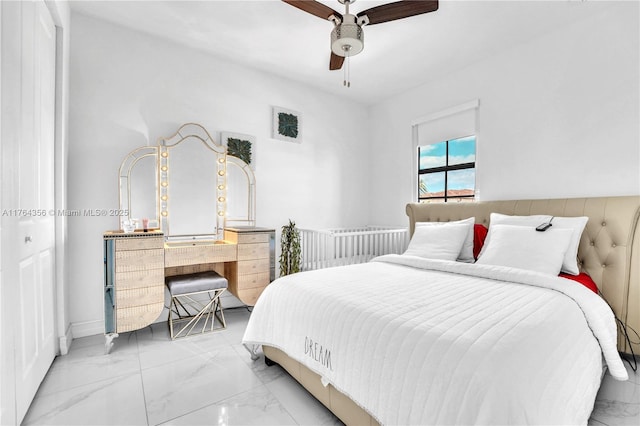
(60,13)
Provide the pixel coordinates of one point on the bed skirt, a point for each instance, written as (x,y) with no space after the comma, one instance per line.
(343,407)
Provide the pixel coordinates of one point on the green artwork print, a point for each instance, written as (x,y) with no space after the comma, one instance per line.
(239,148)
(288,125)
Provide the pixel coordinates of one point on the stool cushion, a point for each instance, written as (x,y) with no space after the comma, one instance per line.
(193,283)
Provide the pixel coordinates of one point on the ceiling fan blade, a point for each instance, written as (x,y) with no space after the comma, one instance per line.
(398,10)
(335,63)
(315,8)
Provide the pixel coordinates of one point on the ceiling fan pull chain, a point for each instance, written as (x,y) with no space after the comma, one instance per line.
(347,77)
(346,65)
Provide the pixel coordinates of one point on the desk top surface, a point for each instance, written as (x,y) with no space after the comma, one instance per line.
(241,229)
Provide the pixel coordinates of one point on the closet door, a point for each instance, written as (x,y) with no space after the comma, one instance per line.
(34,335)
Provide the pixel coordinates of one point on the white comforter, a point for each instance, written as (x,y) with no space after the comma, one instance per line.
(417,341)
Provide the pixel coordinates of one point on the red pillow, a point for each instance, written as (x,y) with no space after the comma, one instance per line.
(479,235)
(583,279)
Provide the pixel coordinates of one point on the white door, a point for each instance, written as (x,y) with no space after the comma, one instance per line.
(34,336)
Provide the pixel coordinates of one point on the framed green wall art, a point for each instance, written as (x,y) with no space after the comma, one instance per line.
(287,125)
(241,146)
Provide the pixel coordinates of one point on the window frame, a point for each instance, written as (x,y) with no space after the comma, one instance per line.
(446,169)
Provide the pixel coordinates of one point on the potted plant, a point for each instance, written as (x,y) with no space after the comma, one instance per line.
(290,252)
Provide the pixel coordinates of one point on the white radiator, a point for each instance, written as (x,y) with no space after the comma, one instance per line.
(346,246)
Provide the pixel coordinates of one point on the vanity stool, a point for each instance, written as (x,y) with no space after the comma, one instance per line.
(195,298)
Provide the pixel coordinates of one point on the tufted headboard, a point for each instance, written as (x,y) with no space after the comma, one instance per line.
(609,250)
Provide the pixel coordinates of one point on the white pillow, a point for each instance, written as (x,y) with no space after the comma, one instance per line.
(525,248)
(466,254)
(575,224)
(437,242)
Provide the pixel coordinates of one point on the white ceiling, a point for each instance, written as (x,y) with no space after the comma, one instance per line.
(275,37)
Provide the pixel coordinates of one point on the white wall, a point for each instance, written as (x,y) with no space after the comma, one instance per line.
(558,117)
(129,89)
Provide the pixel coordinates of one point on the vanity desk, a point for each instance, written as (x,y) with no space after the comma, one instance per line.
(137,263)
(255,265)
(133,281)
(246,258)
(199,204)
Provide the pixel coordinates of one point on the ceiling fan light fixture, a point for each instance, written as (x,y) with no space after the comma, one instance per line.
(347,39)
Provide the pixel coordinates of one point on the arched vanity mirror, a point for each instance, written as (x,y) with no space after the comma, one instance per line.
(193,184)
(188,185)
(137,178)
(241,198)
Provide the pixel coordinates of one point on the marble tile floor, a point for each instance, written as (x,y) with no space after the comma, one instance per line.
(210,379)
(148,379)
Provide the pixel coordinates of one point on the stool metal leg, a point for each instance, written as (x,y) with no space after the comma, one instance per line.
(209,311)
(219,313)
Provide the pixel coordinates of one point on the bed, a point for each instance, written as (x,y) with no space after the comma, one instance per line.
(413,340)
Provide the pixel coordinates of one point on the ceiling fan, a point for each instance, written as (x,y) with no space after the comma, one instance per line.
(347,37)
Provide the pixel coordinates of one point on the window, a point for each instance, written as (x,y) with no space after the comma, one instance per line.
(447,170)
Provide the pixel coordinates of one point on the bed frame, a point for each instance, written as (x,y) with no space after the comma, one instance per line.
(609,252)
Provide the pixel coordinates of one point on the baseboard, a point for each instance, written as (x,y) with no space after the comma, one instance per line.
(87,328)
(65,341)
